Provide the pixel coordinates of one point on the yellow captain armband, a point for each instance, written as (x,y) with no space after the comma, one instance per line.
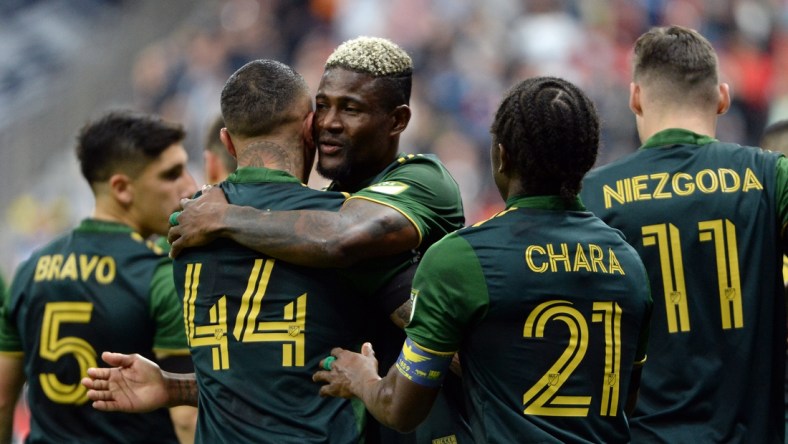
(424,367)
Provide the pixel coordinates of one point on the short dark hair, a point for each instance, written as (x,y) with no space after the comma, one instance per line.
(550,129)
(256,97)
(214,144)
(123,141)
(382,59)
(679,62)
(775,137)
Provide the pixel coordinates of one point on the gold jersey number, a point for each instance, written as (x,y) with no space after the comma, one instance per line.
(289,331)
(543,399)
(667,239)
(53,347)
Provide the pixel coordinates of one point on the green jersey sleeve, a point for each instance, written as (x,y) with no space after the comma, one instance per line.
(167,311)
(782,197)
(449,295)
(10,341)
(423,191)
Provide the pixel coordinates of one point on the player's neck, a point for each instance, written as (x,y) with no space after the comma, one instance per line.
(272,154)
(113,212)
(699,123)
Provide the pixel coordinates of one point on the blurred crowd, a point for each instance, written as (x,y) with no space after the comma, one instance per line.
(466,54)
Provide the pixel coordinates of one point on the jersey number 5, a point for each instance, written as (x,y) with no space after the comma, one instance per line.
(54,347)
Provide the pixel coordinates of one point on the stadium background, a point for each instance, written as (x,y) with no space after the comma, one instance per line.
(63,62)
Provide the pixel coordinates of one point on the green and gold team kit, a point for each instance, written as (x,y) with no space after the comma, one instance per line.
(258,327)
(708,219)
(98,288)
(548,310)
(421,189)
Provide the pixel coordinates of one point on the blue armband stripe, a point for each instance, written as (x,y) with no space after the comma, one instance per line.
(421,366)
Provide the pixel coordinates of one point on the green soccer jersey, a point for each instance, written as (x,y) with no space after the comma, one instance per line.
(258,328)
(421,189)
(548,309)
(707,218)
(3,294)
(100,287)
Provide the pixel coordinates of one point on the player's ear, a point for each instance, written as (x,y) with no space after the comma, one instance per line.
(635,99)
(224,136)
(400,118)
(504,159)
(122,188)
(724,102)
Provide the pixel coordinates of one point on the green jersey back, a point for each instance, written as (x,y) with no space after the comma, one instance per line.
(706,219)
(548,308)
(258,328)
(101,287)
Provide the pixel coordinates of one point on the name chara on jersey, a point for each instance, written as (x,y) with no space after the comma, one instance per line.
(585,257)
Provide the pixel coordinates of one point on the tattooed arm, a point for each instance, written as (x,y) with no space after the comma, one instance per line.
(137,385)
(360,230)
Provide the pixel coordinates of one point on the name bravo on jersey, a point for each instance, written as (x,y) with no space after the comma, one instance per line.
(75,266)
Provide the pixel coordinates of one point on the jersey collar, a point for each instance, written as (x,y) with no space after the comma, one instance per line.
(104,225)
(544,203)
(374,179)
(256,175)
(677,136)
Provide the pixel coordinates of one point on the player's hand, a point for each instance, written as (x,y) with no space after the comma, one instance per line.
(347,372)
(455,365)
(199,222)
(134,384)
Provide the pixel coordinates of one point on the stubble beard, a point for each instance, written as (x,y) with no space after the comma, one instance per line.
(340,173)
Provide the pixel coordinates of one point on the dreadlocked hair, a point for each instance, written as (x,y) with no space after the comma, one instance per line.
(551,130)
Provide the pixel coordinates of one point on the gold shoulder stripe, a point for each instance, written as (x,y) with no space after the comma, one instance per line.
(421,236)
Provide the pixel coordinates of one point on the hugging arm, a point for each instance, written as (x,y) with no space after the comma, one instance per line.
(361,229)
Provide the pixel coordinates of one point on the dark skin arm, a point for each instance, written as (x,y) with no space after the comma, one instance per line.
(394,400)
(359,231)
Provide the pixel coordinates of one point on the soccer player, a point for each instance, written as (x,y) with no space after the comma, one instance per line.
(218,163)
(401,204)
(546,305)
(261,307)
(775,138)
(276,320)
(102,286)
(708,219)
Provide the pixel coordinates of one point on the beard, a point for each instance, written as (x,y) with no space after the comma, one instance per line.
(342,175)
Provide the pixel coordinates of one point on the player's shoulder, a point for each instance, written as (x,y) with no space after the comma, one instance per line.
(424,169)
(416,162)
(420,158)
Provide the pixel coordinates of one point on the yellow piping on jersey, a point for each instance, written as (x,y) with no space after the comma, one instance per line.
(395,208)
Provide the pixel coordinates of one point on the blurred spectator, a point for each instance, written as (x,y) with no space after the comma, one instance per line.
(467,54)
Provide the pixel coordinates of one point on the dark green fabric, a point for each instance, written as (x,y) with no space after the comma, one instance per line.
(484,291)
(87,292)
(254,354)
(706,218)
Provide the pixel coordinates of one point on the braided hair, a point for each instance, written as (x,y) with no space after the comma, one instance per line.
(551,130)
